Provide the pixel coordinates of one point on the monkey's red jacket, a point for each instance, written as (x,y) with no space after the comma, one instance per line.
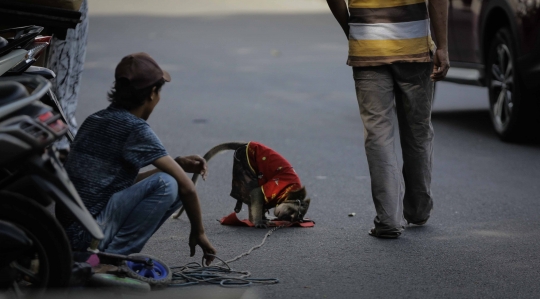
(276,175)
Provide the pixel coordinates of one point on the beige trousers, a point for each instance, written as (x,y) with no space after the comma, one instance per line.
(383,91)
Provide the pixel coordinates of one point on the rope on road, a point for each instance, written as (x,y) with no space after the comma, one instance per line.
(255,247)
(221,273)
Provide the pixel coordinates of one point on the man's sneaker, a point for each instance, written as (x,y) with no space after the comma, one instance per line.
(385,235)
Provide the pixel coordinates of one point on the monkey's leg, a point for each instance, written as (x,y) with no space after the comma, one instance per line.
(238,206)
(256,208)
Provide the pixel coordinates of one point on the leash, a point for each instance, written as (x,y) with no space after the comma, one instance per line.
(221,273)
(256,246)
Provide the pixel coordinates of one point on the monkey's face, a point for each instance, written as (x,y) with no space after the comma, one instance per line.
(292,210)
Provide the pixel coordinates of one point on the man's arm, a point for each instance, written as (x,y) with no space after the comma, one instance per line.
(438,13)
(191,164)
(190,200)
(341,13)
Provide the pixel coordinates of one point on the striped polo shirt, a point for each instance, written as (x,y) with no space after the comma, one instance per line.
(388,31)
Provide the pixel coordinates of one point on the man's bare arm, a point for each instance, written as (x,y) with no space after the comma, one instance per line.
(191,164)
(341,13)
(190,200)
(438,13)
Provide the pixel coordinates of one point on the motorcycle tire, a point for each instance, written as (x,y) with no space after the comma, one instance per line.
(50,243)
(125,284)
(159,275)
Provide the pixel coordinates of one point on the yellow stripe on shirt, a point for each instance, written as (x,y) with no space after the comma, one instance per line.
(381,3)
(398,47)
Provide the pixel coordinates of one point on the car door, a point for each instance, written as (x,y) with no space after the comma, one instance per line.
(464,24)
(452,47)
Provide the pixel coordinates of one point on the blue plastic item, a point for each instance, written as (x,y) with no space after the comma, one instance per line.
(155,271)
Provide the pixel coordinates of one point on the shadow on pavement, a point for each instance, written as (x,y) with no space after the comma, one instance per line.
(479,122)
(194,292)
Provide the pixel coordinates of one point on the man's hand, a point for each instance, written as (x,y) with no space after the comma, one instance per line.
(441,64)
(438,12)
(200,239)
(193,164)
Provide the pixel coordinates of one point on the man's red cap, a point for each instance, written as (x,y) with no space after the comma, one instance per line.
(141,70)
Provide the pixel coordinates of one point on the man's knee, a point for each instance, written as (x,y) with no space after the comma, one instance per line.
(420,138)
(169,186)
(379,136)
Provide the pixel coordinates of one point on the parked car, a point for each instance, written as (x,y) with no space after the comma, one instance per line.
(496,43)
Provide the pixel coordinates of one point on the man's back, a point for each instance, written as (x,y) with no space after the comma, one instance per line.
(110,148)
(386,32)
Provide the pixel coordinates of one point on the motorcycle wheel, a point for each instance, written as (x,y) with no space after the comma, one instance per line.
(47,264)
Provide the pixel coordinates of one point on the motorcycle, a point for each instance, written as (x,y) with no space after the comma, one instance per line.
(38,256)
(35,252)
(19,51)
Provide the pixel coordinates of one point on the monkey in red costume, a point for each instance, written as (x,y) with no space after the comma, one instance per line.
(263,179)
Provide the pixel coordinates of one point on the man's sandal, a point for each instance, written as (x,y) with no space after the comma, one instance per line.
(418,223)
(387,235)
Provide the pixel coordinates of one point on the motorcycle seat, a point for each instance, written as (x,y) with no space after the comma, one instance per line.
(11,91)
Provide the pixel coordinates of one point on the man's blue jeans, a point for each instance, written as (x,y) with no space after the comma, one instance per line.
(133,215)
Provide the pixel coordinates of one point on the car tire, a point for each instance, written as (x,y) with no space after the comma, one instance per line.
(507,95)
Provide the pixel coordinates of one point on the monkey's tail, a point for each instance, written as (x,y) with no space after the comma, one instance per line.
(209,155)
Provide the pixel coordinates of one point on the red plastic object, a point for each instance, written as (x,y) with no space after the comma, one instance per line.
(42,39)
(231,219)
(45,116)
(57,126)
(93,260)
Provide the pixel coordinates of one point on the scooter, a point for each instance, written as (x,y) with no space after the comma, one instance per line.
(31,179)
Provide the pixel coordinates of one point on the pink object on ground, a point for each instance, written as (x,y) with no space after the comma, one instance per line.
(93,260)
(233,220)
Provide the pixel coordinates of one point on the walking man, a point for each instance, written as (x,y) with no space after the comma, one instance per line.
(395,63)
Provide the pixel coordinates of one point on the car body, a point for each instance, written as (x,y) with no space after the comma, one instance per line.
(496,43)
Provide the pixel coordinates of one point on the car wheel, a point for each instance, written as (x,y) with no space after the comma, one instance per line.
(505,90)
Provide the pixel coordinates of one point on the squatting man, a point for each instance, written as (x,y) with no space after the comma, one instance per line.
(110,148)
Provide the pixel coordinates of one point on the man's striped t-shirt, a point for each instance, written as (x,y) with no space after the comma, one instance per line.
(388,31)
(110,148)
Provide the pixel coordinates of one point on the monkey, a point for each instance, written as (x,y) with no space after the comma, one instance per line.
(262,179)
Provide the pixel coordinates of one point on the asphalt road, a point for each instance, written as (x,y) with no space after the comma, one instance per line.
(282,80)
